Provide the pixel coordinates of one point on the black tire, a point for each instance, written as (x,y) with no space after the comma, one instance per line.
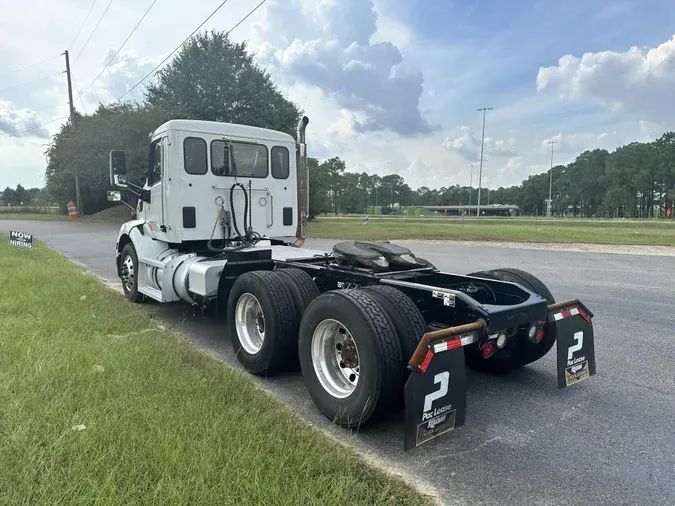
(130,292)
(279,318)
(379,356)
(406,317)
(525,279)
(524,351)
(302,287)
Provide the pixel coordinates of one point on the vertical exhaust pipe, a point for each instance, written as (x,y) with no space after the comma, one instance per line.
(303,184)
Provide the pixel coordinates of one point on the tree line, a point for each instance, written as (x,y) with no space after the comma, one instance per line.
(634,181)
(21,196)
(212,78)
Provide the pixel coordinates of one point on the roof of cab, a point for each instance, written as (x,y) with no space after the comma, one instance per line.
(224,129)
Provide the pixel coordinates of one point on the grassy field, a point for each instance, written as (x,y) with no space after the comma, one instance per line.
(558,230)
(32,216)
(100,405)
(652,232)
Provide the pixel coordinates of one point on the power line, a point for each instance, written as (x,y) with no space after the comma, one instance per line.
(172,52)
(49,107)
(118,51)
(93,32)
(79,95)
(226,33)
(15,134)
(31,65)
(82,25)
(30,82)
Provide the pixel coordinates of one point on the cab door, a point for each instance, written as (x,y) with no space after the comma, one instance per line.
(155,211)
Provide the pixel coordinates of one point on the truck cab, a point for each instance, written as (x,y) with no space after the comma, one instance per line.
(202,172)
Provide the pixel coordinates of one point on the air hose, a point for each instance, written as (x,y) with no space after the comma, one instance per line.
(248,238)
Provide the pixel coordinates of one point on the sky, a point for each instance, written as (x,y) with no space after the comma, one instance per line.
(390,86)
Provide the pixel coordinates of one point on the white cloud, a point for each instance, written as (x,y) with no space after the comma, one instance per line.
(639,81)
(467,144)
(13,121)
(124,72)
(328,44)
(578,142)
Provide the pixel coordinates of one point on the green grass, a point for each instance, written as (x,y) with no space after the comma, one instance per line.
(32,216)
(652,232)
(165,424)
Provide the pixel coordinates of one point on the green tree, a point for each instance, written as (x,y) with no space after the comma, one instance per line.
(20,195)
(83,151)
(8,196)
(212,78)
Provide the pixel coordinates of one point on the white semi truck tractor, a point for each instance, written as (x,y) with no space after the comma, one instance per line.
(220,222)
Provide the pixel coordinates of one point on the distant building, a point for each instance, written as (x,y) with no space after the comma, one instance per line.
(491,210)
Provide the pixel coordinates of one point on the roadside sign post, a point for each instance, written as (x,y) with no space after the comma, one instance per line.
(20,239)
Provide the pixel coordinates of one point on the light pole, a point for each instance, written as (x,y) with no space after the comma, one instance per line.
(480,174)
(488,178)
(550,181)
(470,184)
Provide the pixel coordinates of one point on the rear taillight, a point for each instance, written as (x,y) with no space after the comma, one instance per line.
(539,336)
(536,332)
(488,349)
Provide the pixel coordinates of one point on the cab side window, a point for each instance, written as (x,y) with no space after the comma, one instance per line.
(280,165)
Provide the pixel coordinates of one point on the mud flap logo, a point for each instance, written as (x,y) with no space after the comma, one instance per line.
(579,338)
(442,378)
(576,355)
(435,401)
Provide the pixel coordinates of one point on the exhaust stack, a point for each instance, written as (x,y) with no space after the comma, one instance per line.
(303,184)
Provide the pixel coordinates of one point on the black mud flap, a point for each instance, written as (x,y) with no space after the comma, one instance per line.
(576,351)
(435,397)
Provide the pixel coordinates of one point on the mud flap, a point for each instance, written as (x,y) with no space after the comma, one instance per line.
(576,350)
(435,397)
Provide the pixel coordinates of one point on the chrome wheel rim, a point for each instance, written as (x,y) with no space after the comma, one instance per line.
(128,273)
(250,323)
(335,358)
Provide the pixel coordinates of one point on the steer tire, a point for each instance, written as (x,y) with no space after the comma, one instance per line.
(302,287)
(524,351)
(280,323)
(380,362)
(131,293)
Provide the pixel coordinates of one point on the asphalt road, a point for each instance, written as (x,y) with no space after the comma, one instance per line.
(609,440)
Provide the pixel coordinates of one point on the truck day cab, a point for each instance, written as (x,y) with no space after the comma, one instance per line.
(221,221)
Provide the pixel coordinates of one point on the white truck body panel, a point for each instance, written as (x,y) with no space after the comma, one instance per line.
(187,180)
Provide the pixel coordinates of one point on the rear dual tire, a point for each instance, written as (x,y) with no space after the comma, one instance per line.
(352,345)
(350,356)
(262,322)
(524,351)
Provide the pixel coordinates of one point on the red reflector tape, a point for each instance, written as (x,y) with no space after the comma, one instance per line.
(454,343)
(427,359)
(566,313)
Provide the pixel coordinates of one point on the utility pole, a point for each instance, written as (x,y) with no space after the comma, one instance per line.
(550,181)
(70,89)
(78,199)
(470,189)
(480,173)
